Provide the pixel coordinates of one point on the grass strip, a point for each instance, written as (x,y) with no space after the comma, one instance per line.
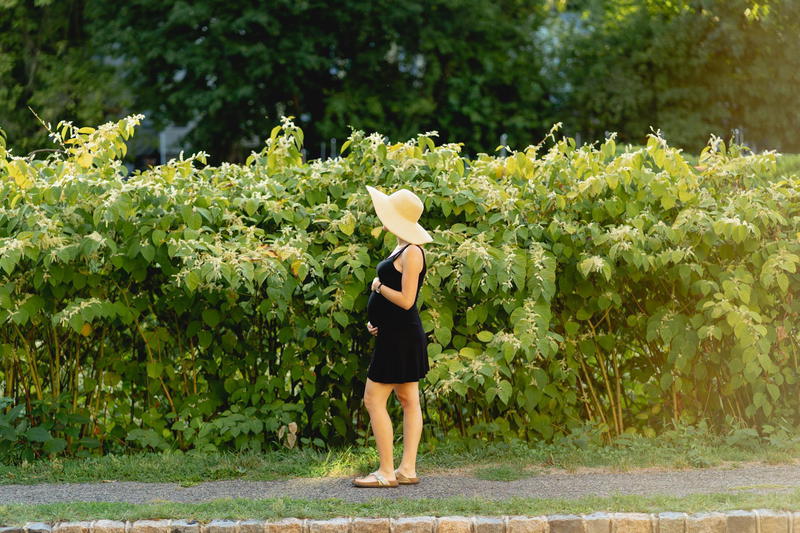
(625,454)
(276,508)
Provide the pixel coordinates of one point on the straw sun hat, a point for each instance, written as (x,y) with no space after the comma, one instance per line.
(399,212)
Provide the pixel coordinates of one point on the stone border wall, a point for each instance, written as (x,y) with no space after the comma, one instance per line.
(758,521)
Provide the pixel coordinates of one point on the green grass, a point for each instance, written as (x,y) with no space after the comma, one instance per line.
(679,448)
(498,461)
(269,509)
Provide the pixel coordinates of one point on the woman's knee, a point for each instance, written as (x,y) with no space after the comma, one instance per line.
(372,401)
(408,398)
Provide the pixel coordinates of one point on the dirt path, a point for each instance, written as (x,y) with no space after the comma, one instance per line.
(555,484)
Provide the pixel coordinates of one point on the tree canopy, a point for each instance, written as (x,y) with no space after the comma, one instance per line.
(471,70)
(691,68)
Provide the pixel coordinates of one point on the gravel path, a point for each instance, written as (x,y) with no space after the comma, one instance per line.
(763,479)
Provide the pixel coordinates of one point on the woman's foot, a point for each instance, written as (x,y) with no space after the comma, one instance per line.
(376,479)
(406,472)
(404,479)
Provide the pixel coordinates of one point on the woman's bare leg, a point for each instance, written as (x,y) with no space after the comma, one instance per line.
(375,396)
(408,394)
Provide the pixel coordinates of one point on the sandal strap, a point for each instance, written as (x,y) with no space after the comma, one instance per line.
(382,480)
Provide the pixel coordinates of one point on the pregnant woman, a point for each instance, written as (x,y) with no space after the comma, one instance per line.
(400,358)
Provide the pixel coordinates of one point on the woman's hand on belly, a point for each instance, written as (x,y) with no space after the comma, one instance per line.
(372,329)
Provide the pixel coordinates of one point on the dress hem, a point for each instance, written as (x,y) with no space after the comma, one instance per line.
(395,382)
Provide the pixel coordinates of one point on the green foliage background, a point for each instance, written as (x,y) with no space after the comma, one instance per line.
(222,307)
(469,69)
(688,68)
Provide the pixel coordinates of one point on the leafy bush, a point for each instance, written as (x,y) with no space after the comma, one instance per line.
(568,287)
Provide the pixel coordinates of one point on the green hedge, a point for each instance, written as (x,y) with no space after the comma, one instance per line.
(569,286)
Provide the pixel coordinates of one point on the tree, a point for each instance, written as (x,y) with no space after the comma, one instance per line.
(47,63)
(691,68)
(467,68)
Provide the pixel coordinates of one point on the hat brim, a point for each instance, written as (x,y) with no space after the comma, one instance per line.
(408,231)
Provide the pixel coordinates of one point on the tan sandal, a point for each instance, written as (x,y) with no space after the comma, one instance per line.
(381,482)
(403,480)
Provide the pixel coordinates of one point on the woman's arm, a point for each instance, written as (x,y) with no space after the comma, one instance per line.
(411,259)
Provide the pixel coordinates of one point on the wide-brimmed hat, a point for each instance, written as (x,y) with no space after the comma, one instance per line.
(399,212)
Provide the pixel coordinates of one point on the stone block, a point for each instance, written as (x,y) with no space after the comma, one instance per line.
(74,527)
(371,525)
(598,522)
(741,521)
(772,521)
(287,525)
(151,526)
(251,526)
(671,523)
(527,524)
(489,524)
(413,524)
(453,524)
(334,525)
(215,526)
(108,526)
(38,527)
(183,526)
(566,523)
(631,523)
(795,521)
(706,523)
(12,529)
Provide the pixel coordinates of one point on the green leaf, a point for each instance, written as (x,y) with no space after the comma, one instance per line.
(466,351)
(542,424)
(348,225)
(665,381)
(274,133)
(485,336)
(774,391)
(55,445)
(192,280)
(204,338)
(490,393)
(341,318)
(585,266)
(38,434)
(148,252)
(571,328)
(8,262)
(211,317)
(195,221)
(85,159)
(251,206)
(504,391)
(442,335)
(158,236)
(154,369)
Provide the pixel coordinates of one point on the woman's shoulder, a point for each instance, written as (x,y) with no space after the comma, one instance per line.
(413,251)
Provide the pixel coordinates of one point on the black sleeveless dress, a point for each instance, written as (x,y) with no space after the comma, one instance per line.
(401,353)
